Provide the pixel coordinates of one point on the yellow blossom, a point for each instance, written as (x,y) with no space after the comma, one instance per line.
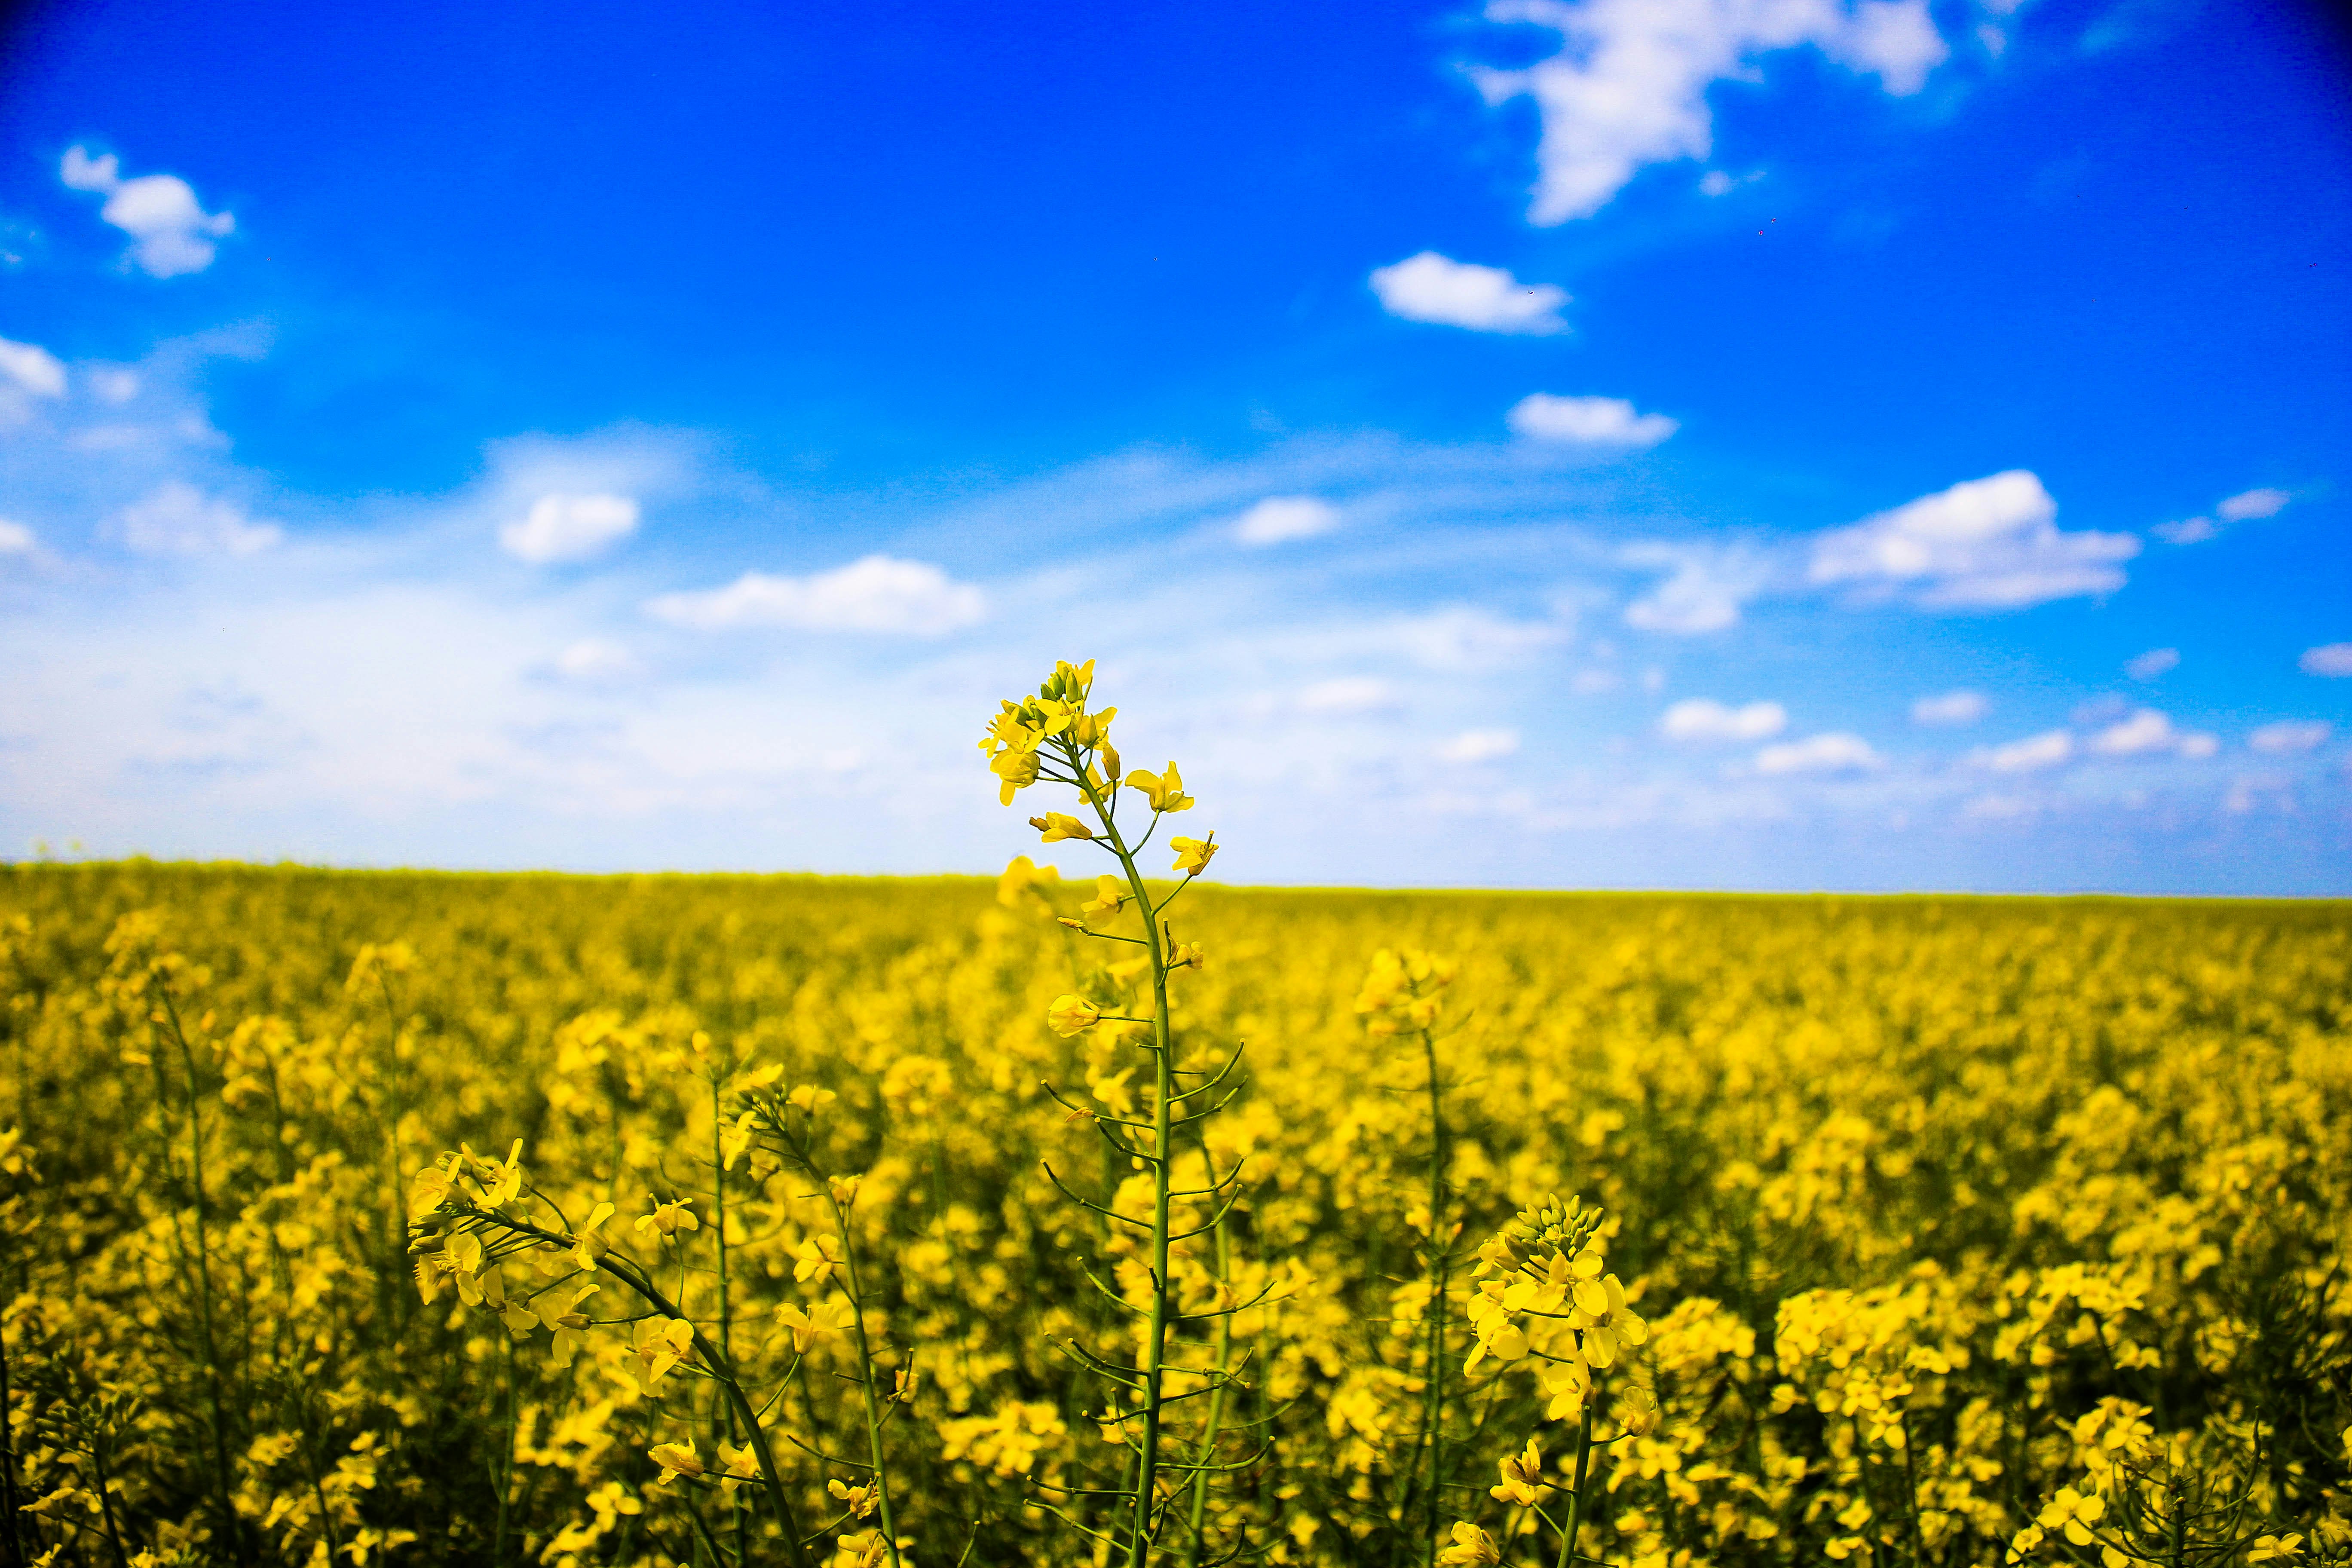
(1072,1014)
(1057,825)
(1109,900)
(1192,855)
(1472,1548)
(1522,1484)
(1164,789)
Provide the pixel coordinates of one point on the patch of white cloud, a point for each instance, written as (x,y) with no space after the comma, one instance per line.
(1704,719)
(1349,695)
(2250,504)
(2147,733)
(1951,708)
(1628,86)
(1836,751)
(875,593)
(31,369)
(1437,289)
(2156,661)
(1989,544)
(561,528)
(1277,520)
(1479,746)
(112,385)
(177,518)
(2290,736)
(1588,421)
(170,232)
(596,660)
(2187,530)
(15,539)
(2332,660)
(2052,748)
(1703,591)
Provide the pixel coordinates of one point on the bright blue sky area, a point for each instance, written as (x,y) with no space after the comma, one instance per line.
(1581,442)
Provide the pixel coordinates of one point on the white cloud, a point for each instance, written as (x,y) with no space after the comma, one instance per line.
(1348,694)
(2148,732)
(2188,530)
(169,232)
(1629,86)
(116,386)
(569,528)
(1703,593)
(2153,663)
(1951,708)
(1479,746)
(1704,719)
(177,518)
(593,659)
(1434,287)
(15,539)
(1594,421)
(1463,637)
(875,593)
(2290,735)
(2252,504)
(1279,519)
(2333,658)
(1986,544)
(1834,752)
(32,368)
(2047,749)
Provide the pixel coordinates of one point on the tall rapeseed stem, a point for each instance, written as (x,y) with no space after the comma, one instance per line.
(1054,737)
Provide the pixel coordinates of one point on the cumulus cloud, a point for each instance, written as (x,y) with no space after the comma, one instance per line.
(1703,590)
(593,661)
(1279,519)
(2333,658)
(2187,530)
(2290,736)
(169,232)
(1348,694)
(1434,287)
(2252,504)
(1629,86)
(32,369)
(2047,749)
(1951,708)
(1833,752)
(177,518)
(875,593)
(15,539)
(1591,421)
(2148,732)
(569,528)
(1989,544)
(1479,746)
(1704,719)
(2153,663)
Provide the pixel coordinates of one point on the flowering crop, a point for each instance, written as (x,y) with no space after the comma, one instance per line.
(567,1221)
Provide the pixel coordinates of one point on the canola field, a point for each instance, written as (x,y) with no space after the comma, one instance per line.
(1937,1229)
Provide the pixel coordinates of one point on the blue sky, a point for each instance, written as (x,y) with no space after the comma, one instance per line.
(1668,443)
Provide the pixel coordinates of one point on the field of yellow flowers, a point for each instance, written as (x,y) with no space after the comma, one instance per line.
(569,1221)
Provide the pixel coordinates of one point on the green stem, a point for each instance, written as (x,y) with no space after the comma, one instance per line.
(1223,1364)
(1147,1480)
(205,1277)
(865,1379)
(1434,1420)
(1576,1498)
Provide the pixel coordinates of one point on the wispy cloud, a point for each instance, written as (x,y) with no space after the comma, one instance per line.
(1434,287)
(1990,543)
(569,528)
(1951,708)
(1589,421)
(1704,719)
(1277,520)
(875,593)
(170,232)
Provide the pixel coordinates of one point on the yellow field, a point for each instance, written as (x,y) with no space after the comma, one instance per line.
(1945,1217)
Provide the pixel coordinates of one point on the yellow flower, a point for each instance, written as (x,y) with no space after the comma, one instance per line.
(1192,855)
(657,1345)
(587,1247)
(1109,900)
(1072,1014)
(862,1549)
(2075,1512)
(1568,1383)
(811,1099)
(1164,789)
(676,1459)
(736,1467)
(818,1260)
(1017,888)
(1188,955)
(1605,1319)
(1057,825)
(1472,1548)
(1013,770)
(1522,1484)
(1636,1410)
(858,1500)
(2267,1547)
(822,1322)
(669,1218)
(843,1189)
